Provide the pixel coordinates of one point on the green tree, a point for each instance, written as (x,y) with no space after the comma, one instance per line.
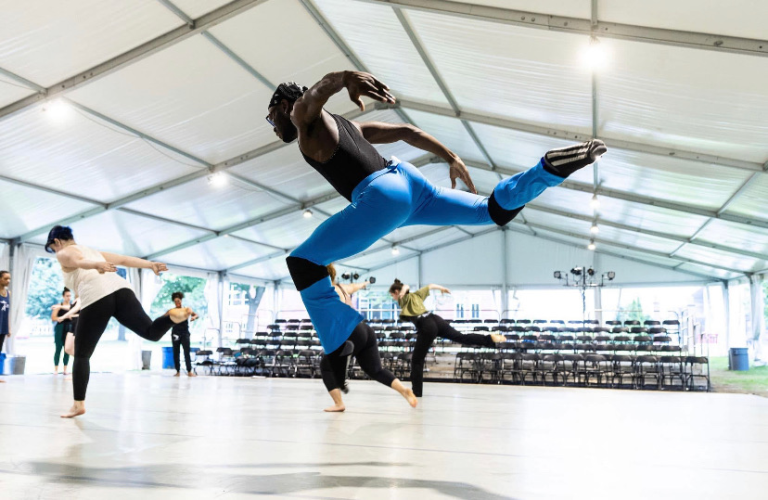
(252,295)
(45,287)
(633,312)
(194,296)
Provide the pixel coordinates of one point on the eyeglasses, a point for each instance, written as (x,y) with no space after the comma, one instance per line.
(269,120)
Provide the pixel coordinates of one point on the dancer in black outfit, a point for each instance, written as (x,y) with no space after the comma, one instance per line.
(429,326)
(180,338)
(363,345)
(62,316)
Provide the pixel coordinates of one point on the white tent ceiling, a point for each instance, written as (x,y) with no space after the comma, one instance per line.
(159,94)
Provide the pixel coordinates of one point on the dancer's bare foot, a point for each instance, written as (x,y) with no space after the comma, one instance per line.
(191,374)
(78,408)
(336,408)
(498,338)
(406,393)
(180,314)
(177,374)
(2,381)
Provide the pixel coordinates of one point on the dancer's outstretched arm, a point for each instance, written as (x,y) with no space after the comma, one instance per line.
(309,107)
(387,133)
(351,288)
(438,287)
(125,261)
(73,258)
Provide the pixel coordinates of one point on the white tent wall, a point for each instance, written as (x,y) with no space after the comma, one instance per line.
(23,262)
(5,251)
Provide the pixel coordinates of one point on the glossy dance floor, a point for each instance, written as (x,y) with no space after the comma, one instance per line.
(150,436)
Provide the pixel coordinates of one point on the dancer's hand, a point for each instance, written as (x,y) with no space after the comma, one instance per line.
(158,267)
(445,291)
(105,267)
(365,84)
(459,171)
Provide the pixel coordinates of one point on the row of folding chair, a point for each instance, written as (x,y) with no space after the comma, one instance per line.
(590,370)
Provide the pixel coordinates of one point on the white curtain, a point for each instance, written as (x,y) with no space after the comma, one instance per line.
(214,294)
(5,250)
(757,303)
(23,262)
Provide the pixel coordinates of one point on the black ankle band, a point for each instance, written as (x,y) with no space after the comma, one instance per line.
(500,215)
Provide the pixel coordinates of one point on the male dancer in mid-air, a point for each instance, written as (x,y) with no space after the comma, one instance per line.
(385,195)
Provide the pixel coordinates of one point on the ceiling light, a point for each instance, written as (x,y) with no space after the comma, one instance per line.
(595,56)
(395,250)
(591,245)
(594,202)
(594,229)
(307,214)
(58,111)
(217,179)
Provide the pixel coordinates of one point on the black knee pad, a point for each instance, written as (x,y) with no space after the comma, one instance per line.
(499,215)
(304,272)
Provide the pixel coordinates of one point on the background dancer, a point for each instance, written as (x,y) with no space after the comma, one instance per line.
(429,326)
(385,195)
(62,318)
(103,295)
(335,374)
(180,338)
(5,309)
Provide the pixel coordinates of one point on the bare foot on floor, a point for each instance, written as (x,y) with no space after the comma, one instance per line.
(75,411)
(411,398)
(2,381)
(191,374)
(335,409)
(177,374)
(180,314)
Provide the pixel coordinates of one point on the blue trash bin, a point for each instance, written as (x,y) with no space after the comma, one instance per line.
(168,358)
(2,362)
(738,360)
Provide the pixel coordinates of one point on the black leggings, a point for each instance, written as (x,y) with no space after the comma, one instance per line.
(428,328)
(125,308)
(182,342)
(333,366)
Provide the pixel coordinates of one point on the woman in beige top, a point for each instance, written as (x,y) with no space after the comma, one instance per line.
(103,295)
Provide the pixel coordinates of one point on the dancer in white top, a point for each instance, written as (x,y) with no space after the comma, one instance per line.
(103,295)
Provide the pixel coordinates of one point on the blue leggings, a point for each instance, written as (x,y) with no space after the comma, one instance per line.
(384,201)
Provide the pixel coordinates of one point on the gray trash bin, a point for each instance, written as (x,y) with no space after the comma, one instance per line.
(17,364)
(738,359)
(146,358)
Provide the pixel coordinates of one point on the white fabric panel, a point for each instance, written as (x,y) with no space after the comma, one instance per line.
(25,209)
(753,202)
(526,74)
(47,40)
(127,234)
(436,239)
(5,252)
(273,269)
(23,262)
(719,273)
(628,271)
(10,91)
(84,155)
(473,262)
(381,253)
(308,55)
(203,205)
(569,8)
(669,178)
(190,95)
(286,171)
(288,231)
(688,99)
(406,271)
(606,233)
(720,258)
(196,8)
(218,254)
(742,18)
(753,239)
(393,59)
(450,132)
(511,148)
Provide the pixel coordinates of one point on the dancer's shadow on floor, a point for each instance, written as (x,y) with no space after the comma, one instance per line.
(198,478)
